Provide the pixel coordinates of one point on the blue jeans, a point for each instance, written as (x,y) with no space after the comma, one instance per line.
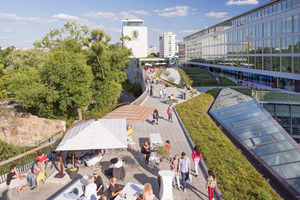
(183,177)
(86,158)
(32,180)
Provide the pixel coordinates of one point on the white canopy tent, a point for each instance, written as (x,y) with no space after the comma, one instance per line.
(95,134)
(148,64)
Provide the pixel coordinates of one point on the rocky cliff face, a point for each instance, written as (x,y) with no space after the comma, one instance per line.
(23,128)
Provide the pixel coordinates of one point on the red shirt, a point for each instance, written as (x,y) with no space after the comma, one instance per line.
(168,147)
(42,159)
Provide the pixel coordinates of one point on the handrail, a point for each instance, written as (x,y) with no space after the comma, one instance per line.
(120,104)
(26,153)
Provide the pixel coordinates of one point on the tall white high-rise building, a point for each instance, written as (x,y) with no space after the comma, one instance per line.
(167,45)
(138,32)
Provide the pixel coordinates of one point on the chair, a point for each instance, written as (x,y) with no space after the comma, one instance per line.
(40,177)
(14,183)
(93,161)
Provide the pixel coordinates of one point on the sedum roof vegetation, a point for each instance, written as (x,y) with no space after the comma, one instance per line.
(236,177)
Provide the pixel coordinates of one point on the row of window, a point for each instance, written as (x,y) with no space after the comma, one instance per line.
(263,12)
(286,64)
(269,46)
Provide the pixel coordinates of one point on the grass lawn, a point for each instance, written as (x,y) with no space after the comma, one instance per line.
(236,177)
(196,77)
(243,91)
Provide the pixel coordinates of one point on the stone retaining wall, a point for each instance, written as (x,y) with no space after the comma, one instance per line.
(23,128)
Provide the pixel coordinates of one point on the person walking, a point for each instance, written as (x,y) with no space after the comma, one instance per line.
(211,184)
(196,155)
(174,168)
(184,168)
(165,93)
(170,112)
(155,115)
(160,94)
(151,90)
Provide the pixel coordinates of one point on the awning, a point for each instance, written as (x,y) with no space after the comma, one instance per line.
(95,134)
(132,113)
(148,64)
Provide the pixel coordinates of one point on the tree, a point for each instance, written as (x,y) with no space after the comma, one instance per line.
(108,65)
(3,81)
(4,53)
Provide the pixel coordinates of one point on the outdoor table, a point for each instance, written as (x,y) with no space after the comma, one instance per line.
(130,189)
(165,191)
(155,138)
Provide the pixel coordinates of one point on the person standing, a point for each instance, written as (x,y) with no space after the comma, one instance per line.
(160,94)
(211,184)
(165,93)
(196,155)
(170,112)
(155,115)
(99,183)
(184,168)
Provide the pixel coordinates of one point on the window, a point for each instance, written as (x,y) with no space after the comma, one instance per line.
(286,45)
(259,31)
(286,64)
(267,63)
(252,62)
(296,23)
(267,46)
(296,44)
(267,29)
(259,62)
(296,65)
(259,47)
(278,7)
(276,64)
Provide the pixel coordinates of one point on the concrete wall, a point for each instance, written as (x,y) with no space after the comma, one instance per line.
(135,73)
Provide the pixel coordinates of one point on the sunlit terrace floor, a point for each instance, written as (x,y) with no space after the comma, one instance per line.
(136,169)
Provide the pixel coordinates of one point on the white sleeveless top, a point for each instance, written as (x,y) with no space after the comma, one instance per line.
(150,197)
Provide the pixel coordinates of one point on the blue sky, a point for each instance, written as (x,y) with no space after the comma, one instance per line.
(22,22)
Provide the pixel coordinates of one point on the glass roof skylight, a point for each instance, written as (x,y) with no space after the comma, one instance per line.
(251,125)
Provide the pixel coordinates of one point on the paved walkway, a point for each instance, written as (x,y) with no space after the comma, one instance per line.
(174,133)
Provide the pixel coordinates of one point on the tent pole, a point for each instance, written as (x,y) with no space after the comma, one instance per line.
(61,165)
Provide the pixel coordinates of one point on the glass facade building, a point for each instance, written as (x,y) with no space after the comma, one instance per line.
(262,136)
(261,45)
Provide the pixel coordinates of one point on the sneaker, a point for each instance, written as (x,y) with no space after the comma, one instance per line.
(184,190)
(33,188)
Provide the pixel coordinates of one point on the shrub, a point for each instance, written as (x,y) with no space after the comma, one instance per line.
(237,179)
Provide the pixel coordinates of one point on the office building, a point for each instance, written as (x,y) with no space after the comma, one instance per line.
(167,45)
(138,32)
(261,45)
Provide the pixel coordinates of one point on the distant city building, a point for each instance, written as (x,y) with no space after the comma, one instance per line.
(167,45)
(261,45)
(138,32)
(177,47)
(153,49)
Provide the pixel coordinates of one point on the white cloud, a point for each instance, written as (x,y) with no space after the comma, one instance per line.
(11,18)
(127,15)
(194,9)
(140,12)
(101,15)
(76,19)
(155,30)
(188,31)
(156,11)
(200,20)
(115,30)
(242,2)
(6,30)
(217,14)
(38,20)
(178,11)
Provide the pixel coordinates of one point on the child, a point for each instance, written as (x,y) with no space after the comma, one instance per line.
(211,184)
(168,145)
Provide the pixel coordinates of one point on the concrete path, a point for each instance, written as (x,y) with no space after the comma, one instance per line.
(174,133)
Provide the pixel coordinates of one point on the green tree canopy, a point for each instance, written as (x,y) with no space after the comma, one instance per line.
(70,71)
(3,81)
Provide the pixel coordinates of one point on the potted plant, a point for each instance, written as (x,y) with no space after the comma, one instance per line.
(163,152)
(73,172)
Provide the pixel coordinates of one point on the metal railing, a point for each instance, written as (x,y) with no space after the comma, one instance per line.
(25,161)
(275,96)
